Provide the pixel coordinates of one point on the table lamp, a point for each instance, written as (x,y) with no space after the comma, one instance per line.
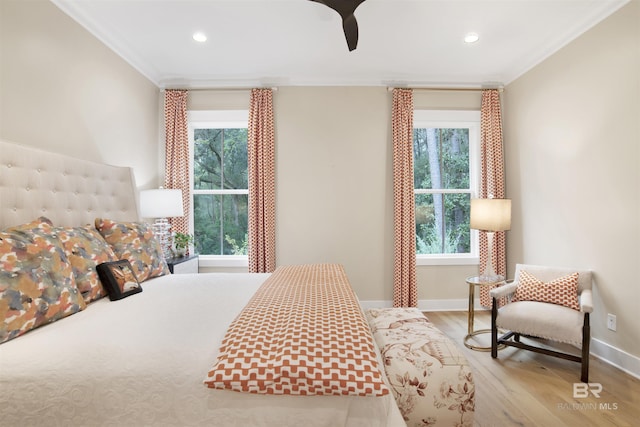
(161,204)
(490,215)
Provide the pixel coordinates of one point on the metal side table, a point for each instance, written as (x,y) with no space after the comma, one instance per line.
(473,282)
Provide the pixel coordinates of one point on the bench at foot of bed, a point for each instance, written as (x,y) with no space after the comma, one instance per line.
(429,377)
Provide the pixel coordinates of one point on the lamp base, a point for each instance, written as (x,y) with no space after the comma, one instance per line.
(160,229)
(489,275)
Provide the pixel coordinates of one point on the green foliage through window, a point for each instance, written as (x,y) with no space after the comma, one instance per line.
(220,187)
(441,181)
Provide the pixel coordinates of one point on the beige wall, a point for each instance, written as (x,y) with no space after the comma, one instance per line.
(334,183)
(572,132)
(63,90)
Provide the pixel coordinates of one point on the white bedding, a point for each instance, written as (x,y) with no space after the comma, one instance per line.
(142,361)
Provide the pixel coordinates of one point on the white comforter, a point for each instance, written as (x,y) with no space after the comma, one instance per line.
(142,361)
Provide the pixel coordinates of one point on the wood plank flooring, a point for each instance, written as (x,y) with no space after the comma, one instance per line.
(522,388)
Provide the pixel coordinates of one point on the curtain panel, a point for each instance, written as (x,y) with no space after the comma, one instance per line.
(404,272)
(262,195)
(176,169)
(492,182)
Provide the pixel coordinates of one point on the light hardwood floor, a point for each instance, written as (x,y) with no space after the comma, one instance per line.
(522,388)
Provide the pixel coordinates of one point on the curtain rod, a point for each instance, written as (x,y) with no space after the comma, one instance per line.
(389,88)
(220,89)
(447,89)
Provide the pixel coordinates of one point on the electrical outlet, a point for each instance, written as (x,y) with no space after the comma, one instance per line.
(611,321)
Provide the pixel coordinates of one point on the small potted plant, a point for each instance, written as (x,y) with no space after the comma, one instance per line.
(181,242)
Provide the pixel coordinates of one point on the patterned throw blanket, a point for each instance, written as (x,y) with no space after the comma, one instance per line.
(302,333)
(429,376)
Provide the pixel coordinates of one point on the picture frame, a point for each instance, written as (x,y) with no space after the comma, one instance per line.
(118,279)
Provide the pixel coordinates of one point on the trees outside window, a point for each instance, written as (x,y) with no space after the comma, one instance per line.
(220,186)
(444,150)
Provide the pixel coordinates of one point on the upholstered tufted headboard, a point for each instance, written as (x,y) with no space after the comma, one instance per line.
(68,191)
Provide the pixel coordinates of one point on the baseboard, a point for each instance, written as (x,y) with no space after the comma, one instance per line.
(622,360)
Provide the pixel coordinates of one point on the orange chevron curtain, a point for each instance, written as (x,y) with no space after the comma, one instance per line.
(405,292)
(492,180)
(176,167)
(262,195)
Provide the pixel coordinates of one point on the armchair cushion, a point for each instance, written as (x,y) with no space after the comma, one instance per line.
(547,274)
(562,290)
(549,321)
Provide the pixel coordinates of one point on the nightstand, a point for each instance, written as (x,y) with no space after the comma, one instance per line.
(182,265)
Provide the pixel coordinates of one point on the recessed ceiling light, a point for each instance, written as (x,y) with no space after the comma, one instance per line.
(200,37)
(471,38)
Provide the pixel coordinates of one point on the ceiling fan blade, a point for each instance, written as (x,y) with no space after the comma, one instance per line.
(350,27)
(346,9)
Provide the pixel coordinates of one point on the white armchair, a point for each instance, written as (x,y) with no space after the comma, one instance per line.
(543,320)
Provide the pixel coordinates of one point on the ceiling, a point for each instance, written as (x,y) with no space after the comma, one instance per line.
(299,42)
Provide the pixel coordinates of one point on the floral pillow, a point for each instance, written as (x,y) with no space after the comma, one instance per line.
(134,241)
(37,285)
(86,248)
(561,291)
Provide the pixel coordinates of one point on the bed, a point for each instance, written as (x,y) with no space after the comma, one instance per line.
(142,360)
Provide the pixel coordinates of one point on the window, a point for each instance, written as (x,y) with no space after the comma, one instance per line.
(218,143)
(445,147)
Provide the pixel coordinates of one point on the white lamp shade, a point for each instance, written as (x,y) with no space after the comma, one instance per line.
(491,214)
(161,203)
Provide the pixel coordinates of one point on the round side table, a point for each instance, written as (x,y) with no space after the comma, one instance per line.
(473,282)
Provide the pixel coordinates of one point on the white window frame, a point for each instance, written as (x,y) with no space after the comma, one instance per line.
(212,119)
(450,119)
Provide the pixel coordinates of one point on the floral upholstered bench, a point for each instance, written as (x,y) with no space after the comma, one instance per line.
(429,377)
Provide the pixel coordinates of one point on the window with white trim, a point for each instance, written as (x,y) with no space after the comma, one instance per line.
(446,168)
(219,183)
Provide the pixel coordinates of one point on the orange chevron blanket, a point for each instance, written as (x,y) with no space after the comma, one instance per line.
(302,333)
